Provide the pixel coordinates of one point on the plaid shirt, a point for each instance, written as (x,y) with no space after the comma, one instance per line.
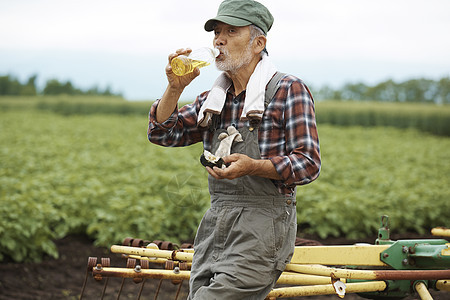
(287,134)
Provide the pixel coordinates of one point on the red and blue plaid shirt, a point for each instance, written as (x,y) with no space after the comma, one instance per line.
(287,134)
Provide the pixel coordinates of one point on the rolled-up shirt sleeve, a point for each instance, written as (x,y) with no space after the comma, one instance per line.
(166,125)
(301,163)
(180,129)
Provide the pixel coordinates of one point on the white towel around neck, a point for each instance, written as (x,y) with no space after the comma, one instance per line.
(254,97)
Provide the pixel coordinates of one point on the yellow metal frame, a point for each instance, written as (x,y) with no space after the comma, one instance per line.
(285,279)
(307,273)
(182,255)
(356,255)
(443,285)
(290,278)
(441,231)
(320,270)
(299,291)
(422,290)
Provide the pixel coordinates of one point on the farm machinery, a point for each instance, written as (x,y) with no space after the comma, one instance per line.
(387,269)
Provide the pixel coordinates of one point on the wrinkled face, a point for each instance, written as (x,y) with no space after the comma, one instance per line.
(234,45)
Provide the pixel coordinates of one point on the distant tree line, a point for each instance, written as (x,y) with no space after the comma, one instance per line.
(11,86)
(414,90)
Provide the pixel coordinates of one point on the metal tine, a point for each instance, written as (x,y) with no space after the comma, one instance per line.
(157,289)
(92,261)
(121,287)
(179,289)
(131,263)
(144,265)
(106,262)
(104,288)
(142,287)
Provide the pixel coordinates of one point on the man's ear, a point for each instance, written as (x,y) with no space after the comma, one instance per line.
(259,43)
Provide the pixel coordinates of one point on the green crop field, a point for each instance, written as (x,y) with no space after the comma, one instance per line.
(97,174)
(425,117)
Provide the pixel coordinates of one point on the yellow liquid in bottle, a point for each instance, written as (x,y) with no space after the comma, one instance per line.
(182,65)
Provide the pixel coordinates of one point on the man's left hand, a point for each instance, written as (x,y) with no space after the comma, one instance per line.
(238,165)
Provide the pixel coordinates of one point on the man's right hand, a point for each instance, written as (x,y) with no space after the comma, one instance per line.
(174,89)
(179,82)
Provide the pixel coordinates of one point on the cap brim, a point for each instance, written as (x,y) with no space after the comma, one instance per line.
(209,25)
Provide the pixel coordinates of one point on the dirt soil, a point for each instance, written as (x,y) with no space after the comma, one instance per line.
(63,278)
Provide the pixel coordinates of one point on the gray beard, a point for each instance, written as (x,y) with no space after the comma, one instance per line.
(233,65)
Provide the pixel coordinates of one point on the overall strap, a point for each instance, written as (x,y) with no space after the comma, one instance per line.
(272,87)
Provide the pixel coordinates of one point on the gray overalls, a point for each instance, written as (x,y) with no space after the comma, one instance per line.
(247,236)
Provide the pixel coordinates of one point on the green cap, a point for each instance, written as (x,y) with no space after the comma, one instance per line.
(242,13)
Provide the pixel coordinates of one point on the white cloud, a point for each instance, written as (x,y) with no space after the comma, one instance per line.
(314,37)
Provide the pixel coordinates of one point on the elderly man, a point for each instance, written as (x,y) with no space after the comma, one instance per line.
(247,235)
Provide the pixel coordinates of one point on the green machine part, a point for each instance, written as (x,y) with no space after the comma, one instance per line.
(430,254)
(424,254)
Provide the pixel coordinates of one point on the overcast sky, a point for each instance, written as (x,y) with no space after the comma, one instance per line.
(125,44)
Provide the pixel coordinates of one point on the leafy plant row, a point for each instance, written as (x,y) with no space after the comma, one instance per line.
(98,175)
(430,118)
(433,119)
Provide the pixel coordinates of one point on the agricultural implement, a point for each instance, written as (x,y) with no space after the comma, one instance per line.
(386,270)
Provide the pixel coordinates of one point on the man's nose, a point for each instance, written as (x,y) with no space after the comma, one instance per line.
(219,40)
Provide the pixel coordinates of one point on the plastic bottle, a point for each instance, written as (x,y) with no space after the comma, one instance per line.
(182,64)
